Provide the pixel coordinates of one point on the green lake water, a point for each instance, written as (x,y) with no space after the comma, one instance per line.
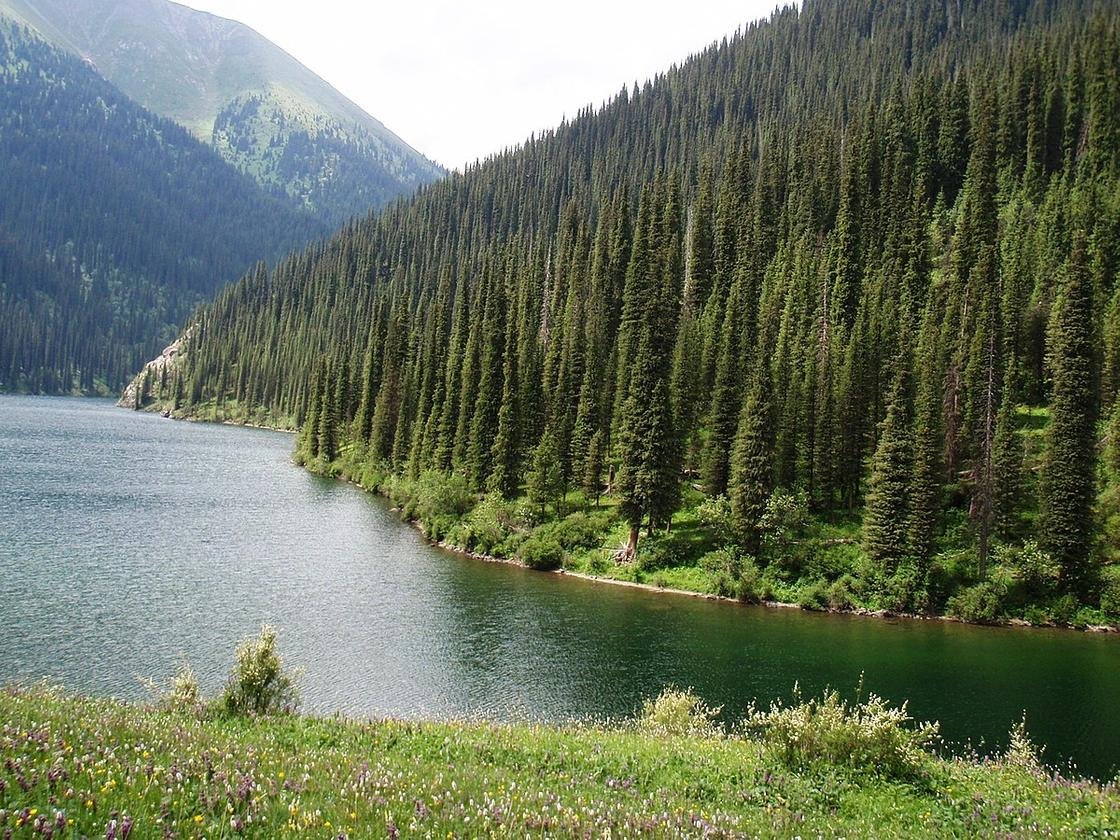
(129,543)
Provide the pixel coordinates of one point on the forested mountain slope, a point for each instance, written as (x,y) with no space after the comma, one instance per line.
(114,224)
(853,269)
(260,108)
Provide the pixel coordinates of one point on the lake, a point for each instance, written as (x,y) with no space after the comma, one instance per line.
(130,543)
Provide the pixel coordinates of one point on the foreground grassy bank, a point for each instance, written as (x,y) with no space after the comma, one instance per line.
(75,766)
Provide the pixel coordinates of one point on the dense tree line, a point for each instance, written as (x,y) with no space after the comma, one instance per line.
(863,252)
(114,224)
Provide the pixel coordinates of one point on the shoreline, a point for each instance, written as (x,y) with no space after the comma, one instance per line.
(860,612)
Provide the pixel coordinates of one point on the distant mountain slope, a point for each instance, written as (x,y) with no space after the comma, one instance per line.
(263,110)
(114,223)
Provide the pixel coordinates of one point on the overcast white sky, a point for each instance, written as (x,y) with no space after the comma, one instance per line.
(460,79)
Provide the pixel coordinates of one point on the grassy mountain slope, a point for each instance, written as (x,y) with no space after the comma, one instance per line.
(263,110)
(114,225)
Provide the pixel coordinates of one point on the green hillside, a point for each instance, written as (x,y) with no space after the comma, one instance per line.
(114,224)
(829,312)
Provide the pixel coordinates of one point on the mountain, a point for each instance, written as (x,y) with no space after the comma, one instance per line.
(837,299)
(115,224)
(260,108)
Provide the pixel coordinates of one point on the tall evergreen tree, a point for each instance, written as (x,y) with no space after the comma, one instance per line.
(1069,472)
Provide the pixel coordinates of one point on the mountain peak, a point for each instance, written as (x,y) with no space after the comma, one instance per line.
(200,70)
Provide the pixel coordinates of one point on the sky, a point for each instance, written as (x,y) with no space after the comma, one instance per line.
(461,80)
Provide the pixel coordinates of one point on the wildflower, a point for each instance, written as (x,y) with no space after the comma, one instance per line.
(198,818)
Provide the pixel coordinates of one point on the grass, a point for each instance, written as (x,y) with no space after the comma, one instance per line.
(77,766)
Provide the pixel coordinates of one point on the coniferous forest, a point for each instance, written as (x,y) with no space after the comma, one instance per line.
(115,224)
(829,313)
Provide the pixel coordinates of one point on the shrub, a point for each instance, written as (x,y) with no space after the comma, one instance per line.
(714,513)
(750,587)
(576,531)
(184,694)
(785,518)
(438,495)
(677,712)
(597,563)
(721,584)
(1021,752)
(841,594)
(541,552)
(725,567)
(661,551)
(489,524)
(980,604)
(814,596)
(868,735)
(1110,590)
(725,561)
(900,590)
(258,683)
(1064,610)
(1031,573)
(946,574)
(458,535)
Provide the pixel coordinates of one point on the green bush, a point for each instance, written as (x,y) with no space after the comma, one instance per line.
(677,712)
(509,546)
(727,561)
(598,563)
(842,593)
(714,514)
(489,524)
(576,531)
(1029,572)
(868,735)
(441,496)
(786,517)
(900,590)
(182,694)
(721,584)
(1063,610)
(258,683)
(750,588)
(814,596)
(1110,590)
(541,552)
(662,551)
(980,604)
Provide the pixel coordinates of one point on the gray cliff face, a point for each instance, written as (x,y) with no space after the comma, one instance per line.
(156,376)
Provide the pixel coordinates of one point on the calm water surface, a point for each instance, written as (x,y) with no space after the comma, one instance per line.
(129,543)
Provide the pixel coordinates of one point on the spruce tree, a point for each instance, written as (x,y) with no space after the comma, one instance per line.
(545,480)
(1069,471)
(885,539)
(752,463)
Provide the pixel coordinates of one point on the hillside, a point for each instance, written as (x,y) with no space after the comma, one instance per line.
(114,225)
(260,108)
(828,312)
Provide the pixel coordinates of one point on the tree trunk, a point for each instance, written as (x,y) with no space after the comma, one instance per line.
(632,543)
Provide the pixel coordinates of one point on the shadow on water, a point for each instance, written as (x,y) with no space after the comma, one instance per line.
(129,543)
